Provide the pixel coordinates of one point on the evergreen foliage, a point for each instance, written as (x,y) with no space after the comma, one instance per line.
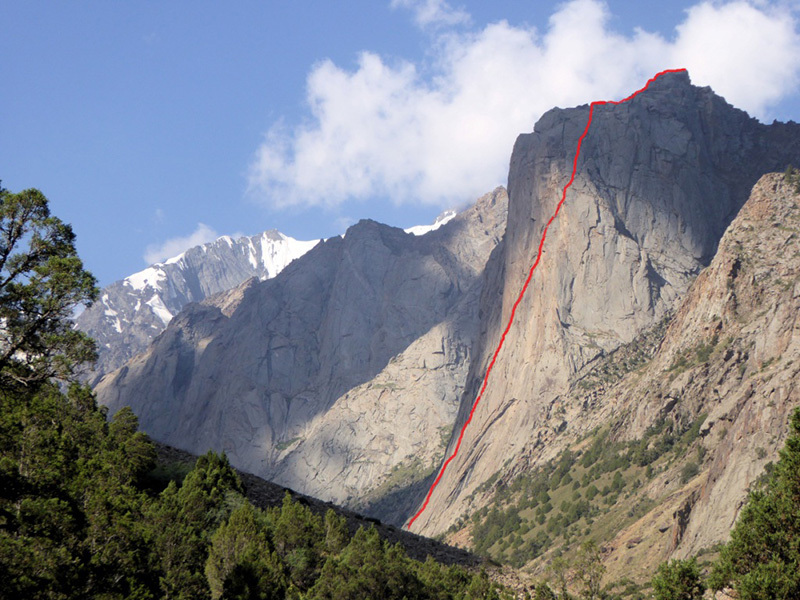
(542,591)
(576,495)
(71,512)
(42,280)
(678,580)
(242,562)
(589,570)
(762,558)
(792,176)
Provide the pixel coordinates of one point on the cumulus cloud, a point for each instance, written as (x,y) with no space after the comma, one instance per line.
(174,246)
(443,134)
(748,54)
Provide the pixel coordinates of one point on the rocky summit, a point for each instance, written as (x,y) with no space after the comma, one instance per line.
(658,180)
(657,443)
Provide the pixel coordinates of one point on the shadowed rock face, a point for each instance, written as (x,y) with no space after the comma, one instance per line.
(326,377)
(658,181)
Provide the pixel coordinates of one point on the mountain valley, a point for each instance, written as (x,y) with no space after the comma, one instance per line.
(644,387)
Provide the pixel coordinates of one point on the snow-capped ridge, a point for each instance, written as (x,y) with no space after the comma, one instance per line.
(152,276)
(442,219)
(136,309)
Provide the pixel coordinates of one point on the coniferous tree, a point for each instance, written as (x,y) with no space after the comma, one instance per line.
(183,521)
(589,570)
(542,591)
(42,280)
(367,568)
(481,588)
(762,558)
(71,515)
(242,561)
(678,580)
(299,539)
(559,572)
(443,583)
(336,536)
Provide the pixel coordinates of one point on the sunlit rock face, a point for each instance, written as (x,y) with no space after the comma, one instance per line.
(658,180)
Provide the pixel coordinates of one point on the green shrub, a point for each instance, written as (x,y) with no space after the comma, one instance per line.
(690,470)
(678,580)
(761,558)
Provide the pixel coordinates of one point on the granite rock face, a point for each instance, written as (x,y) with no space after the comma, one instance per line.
(725,364)
(346,365)
(744,310)
(658,180)
(132,312)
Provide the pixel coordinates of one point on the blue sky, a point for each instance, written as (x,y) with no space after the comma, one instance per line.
(153,125)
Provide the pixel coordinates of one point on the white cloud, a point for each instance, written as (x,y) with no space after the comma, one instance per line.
(174,246)
(747,54)
(442,137)
(433,13)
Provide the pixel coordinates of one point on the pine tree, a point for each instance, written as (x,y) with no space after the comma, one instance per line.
(70,516)
(443,583)
(183,521)
(367,568)
(543,592)
(242,561)
(299,537)
(42,280)
(336,536)
(589,570)
(762,558)
(678,580)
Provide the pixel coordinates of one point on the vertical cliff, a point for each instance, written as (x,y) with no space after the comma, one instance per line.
(658,180)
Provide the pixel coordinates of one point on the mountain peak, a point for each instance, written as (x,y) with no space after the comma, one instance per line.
(657,181)
(133,311)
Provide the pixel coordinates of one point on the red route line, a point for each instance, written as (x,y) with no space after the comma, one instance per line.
(528,280)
